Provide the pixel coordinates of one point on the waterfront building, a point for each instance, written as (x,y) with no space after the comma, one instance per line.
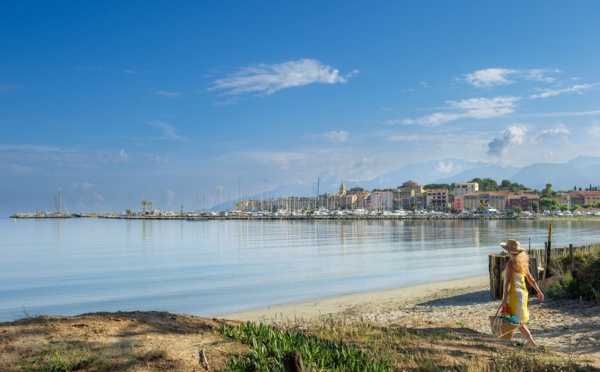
(458,203)
(585,197)
(463,188)
(343,200)
(494,199)
(524,200)
(437,199)
(591,197)
(564,199)
(409,196)
(381,200)
(576,198)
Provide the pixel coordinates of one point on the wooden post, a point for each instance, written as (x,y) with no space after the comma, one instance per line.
(547,265)
(548,249)
(571,258)
(292,362)
(533,270)
(497,264)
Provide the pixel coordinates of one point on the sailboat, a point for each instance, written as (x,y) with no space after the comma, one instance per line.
(60,210)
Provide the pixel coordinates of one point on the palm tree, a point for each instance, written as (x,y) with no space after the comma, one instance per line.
(144,204)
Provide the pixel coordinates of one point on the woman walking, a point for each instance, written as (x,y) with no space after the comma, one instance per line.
(515,295)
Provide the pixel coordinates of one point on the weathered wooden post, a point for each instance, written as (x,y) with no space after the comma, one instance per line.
(548,249)
(571,258)
(292,362)
(497,264)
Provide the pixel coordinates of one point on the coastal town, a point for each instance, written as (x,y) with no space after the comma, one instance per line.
(480,198)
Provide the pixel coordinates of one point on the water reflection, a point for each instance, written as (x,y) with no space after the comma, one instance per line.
(212,267)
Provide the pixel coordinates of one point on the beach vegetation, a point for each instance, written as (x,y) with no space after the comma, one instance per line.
(157,341)
(342,345)
(63,356)
(269,345)
(579,279)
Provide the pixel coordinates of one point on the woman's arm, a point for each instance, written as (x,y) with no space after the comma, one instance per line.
(508,274)
(535,286)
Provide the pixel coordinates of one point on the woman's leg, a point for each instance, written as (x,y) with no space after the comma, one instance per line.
(525,332)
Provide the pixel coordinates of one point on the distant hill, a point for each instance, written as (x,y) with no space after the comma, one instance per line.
(584,161)
(494,172)
(561,176)
(423,173)
(580,172)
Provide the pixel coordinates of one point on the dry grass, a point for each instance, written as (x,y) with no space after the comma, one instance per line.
(159,341)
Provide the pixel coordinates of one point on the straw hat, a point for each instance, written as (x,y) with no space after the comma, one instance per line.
(512,246)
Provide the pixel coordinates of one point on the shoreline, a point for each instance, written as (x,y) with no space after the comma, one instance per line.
(564,325)
(333,306)
(457,306)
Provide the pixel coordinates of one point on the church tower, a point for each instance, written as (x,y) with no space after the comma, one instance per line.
(343,189)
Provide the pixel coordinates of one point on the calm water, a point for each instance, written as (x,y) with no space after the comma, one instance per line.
(74,266)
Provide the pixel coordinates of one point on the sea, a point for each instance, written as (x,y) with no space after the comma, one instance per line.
(211,268)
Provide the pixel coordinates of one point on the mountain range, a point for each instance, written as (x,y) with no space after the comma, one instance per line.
(581,172)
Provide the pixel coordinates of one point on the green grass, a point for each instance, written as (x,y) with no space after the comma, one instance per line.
(269,345)
(583,282)
(337,345)
(62,357)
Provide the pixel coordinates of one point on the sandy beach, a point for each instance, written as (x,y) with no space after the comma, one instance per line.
(158,341)
(568,326)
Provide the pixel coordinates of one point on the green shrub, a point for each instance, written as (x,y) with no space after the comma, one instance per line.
(269,345)
(554,289)
(583,283)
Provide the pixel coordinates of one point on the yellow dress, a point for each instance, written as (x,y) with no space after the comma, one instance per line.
(517,297)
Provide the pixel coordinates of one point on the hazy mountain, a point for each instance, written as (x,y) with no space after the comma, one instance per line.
(423,173)
(580,172)
(563,177)
(494,172)
(584,161)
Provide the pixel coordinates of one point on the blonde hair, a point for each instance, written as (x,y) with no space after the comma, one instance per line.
(520,262)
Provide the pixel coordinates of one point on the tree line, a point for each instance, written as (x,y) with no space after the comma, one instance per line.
(547,195)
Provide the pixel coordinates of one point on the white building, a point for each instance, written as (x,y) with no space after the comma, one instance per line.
(463,188)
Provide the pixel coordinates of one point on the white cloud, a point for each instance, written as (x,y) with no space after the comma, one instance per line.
(513,135)
(336,136)
(169,132)
(500,76)
(540,75)
(168,94)
(268,79)
(560,114)
(594,131)
(560,129)
(578,88)
(474,108)
(483,108)
(401,137)
(123,155)
(490,77)
(445,168)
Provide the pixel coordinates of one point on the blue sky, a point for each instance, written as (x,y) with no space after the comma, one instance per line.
(181,102)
